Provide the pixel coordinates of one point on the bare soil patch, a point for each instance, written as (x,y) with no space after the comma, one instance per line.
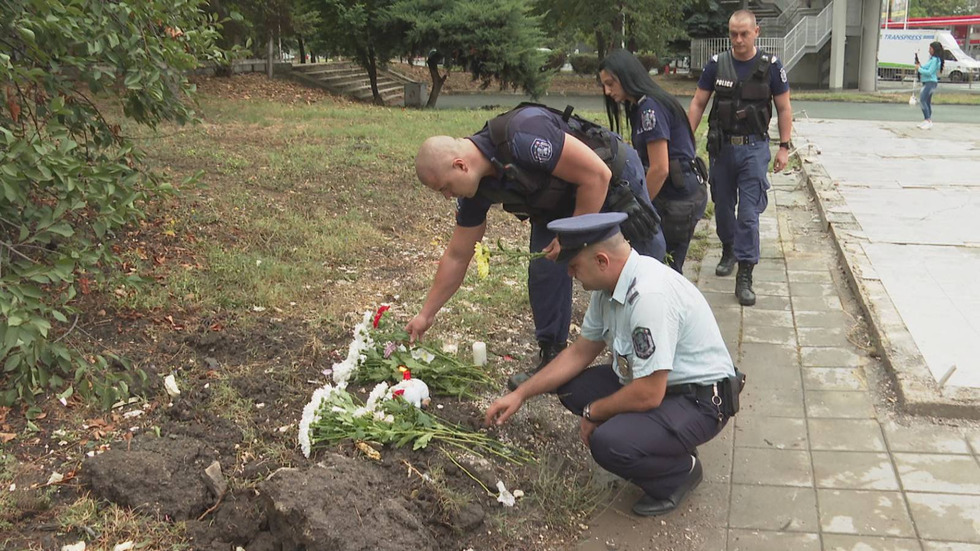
(138,471)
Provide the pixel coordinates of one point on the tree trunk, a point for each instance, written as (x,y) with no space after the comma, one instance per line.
(302,49)
(372,69)
(268,59)
(437,81)
(600,44)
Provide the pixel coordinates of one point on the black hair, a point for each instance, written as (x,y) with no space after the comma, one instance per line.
(937,51)
(636,82)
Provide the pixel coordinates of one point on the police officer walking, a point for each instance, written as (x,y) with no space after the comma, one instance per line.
(746,82)
(530,161)
(671,386)
(664,140)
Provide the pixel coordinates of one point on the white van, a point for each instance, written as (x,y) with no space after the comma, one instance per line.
(897,49)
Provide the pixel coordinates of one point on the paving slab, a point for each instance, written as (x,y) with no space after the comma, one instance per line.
(854,470)
(950,474)
(945,516)
(862,435)
(836,542)
(778,508)
(757,540)
(901,209)
(863,512)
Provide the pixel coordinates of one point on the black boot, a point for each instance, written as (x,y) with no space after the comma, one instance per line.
(549,350)
(727,262)
(649,506)
(743,284)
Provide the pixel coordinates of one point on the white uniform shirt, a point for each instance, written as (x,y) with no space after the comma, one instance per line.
(656,319)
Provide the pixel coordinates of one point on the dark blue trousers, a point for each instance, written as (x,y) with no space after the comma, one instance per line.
(651,449)
(548,283)
(738,180)
(680,211)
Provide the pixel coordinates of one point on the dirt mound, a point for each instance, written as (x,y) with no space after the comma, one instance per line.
(340,504)
(161,476)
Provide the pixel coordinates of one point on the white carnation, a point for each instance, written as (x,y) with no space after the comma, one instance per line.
(311,414)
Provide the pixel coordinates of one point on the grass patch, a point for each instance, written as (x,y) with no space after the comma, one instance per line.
(566,495)
(112,525)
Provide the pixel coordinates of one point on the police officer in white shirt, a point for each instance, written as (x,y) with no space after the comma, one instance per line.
(671,386)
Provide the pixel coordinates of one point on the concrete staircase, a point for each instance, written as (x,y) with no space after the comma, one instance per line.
(347,78)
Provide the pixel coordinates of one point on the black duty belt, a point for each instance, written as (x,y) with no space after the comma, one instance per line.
(745,139)
(701,391)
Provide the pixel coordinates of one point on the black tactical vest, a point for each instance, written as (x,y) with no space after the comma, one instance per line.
(541,194)
(742,107)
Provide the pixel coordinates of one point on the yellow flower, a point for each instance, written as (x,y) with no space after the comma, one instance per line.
(482,255)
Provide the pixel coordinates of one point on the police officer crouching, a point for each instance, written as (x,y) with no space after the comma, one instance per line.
(671,386)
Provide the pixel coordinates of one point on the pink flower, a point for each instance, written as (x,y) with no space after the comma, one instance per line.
(390,348)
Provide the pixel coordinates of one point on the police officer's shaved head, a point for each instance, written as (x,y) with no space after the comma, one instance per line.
(743,16)
(435,157)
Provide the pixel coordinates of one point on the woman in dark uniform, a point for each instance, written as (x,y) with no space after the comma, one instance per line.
(662,136)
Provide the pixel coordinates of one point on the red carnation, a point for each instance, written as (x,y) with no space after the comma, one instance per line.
(381,312)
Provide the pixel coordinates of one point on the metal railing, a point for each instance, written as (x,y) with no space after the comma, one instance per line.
(703,48)
(808,34)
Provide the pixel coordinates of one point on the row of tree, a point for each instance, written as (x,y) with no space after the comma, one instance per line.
(506,41)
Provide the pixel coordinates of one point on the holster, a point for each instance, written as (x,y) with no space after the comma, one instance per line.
(676,174)
(730,388)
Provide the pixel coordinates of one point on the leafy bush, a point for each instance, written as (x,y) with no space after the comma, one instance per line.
(584,64)
(70,178)
(649,61)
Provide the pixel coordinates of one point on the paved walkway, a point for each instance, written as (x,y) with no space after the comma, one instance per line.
(903,204)
(813,461)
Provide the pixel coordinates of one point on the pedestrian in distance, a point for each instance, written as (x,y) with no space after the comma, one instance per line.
(541,165)
(929,74)
(746,82)
(662,136)
(671,385)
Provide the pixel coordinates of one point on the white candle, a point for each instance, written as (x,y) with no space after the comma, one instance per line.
(480,353)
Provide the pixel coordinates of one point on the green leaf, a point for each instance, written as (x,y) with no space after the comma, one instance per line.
(15,320)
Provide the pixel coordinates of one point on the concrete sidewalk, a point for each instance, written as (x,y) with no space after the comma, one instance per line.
(902,204)
(817,459)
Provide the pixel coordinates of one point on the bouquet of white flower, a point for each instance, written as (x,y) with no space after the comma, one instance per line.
(380,351)
(334,415)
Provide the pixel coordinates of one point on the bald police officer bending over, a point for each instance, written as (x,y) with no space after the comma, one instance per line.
(671,386)
(530,160)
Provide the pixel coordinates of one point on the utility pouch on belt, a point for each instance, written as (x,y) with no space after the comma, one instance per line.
(676,174)
(642,220)
(730,389)
(713,143)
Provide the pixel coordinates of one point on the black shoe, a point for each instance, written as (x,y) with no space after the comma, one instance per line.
(648,506)
(743,284)
(727,262)
(549,351)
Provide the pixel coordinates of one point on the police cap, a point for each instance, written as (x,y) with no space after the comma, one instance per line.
(578,232)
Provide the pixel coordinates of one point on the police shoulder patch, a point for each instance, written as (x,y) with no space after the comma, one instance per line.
(643,345)
(782,75)
(541,150)
(648,120)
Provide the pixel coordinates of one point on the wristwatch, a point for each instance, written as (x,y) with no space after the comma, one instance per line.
(785,145)
(587,412)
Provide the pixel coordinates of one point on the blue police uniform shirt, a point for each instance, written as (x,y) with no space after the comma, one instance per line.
(651,121)
(655,320)
(778,83)
(536,137)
